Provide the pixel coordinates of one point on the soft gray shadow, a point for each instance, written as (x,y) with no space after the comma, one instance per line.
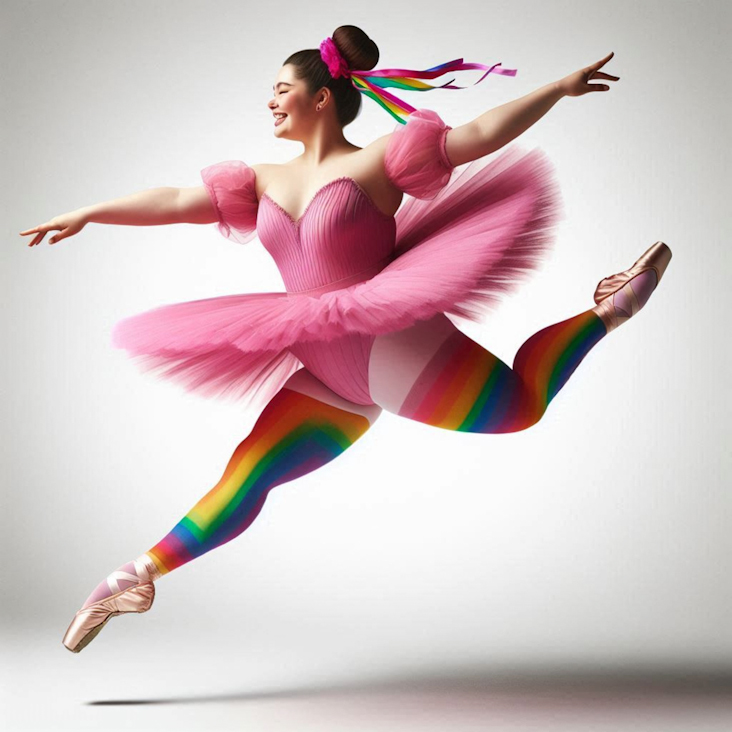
(563,687)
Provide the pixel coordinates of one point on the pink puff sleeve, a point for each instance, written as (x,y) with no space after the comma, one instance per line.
(231,187)
(415,160)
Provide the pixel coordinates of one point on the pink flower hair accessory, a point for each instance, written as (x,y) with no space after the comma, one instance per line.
(337,65)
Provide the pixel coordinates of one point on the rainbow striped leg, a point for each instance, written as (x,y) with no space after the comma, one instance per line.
(462,386)
(295,434)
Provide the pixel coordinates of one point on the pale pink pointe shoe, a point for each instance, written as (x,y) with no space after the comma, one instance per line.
(614,309)
(138,598)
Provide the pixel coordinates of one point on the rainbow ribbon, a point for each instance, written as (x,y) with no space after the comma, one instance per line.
(372,82)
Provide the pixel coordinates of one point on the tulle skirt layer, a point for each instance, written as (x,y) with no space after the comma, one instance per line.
(457,253)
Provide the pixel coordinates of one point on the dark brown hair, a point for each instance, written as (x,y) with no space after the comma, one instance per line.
(360,53)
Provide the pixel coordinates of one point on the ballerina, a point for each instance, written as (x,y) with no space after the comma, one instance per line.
(370,280)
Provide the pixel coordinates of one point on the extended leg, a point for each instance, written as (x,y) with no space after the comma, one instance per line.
(300,430)
(304,426)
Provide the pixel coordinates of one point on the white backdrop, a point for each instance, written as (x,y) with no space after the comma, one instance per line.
(598,538)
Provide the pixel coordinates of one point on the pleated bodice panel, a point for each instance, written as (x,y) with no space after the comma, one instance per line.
(341,237)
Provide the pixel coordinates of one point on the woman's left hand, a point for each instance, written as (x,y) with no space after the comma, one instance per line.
(576,84)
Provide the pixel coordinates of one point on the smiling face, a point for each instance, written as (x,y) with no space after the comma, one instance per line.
(291,99)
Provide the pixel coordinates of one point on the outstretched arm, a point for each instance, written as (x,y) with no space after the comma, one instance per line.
(497,127)
(153,207)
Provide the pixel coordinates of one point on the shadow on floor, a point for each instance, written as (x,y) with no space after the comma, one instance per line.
(549,688)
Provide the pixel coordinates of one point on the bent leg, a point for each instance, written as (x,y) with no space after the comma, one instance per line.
(435,374)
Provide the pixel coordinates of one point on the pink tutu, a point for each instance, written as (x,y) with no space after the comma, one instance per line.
(464,238)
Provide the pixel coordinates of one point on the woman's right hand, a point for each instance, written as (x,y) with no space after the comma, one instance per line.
(67,224)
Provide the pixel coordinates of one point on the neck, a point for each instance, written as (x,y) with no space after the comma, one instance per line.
(327,141)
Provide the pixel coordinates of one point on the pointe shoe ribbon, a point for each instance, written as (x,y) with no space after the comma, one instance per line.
(113,579)
(89,621)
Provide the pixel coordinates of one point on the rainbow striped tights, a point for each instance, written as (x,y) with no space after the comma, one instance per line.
(461,386)
(432,373)
(464,387)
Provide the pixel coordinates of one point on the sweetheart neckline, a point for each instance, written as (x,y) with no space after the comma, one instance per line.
(358,187)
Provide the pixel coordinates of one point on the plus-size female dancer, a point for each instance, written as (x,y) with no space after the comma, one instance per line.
(362,324)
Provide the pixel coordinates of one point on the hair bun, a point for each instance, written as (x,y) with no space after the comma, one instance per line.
(357,49)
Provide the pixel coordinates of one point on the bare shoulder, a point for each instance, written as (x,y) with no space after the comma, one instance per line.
(377,149)
(265,174)
(372,158)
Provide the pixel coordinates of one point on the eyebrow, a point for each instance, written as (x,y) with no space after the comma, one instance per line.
(283,82)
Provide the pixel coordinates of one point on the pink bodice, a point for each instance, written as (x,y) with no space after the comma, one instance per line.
(341,238)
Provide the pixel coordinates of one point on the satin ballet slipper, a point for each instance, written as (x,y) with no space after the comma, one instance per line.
(89,621)
(656,258)
(115,600)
